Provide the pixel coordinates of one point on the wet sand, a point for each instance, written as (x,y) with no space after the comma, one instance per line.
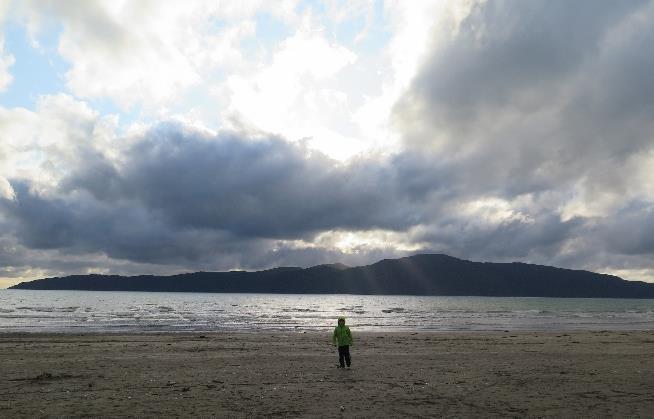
(263,374)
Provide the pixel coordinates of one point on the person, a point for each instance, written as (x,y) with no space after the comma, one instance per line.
(343,339)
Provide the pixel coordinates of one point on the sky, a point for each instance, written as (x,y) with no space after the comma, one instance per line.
(159,137)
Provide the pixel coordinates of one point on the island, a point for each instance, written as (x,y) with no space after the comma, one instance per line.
(423,274)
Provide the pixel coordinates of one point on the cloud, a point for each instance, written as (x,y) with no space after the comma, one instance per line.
(183,197)
(142,53)
(6,191)
(526,133)
(197,180)
(289,68)
(509,53)
(538,97)
(546,106)
(297,94)
(536,91)
(41,145)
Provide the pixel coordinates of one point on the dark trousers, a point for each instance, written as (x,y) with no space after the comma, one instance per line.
(344,356)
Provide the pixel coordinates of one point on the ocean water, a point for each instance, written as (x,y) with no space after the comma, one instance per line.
(90,311)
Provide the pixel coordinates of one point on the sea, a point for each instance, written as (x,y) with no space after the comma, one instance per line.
(103,311)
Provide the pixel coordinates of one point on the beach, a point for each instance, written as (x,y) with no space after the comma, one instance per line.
(293,373)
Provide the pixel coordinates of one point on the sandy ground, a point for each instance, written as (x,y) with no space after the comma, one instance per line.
(580,374)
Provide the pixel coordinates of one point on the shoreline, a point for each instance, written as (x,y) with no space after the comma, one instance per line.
(291,373)
(328,294)
(74,331)
(327,330)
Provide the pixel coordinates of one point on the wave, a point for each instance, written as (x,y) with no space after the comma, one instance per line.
(394,310)
(300,310)
(49,309)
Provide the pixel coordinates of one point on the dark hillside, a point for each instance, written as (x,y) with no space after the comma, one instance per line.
(429,274)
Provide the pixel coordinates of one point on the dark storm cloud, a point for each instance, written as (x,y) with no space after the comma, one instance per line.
(539,239)
(263,188)
(545,102)
(81,224)
(530,95)
(630,231)
(507,50)
(179,196)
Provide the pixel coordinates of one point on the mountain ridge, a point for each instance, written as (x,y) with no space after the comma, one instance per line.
(422,274)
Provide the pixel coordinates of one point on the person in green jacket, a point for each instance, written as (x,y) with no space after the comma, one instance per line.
(343,339)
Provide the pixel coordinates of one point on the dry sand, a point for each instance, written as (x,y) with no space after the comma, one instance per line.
(572,374)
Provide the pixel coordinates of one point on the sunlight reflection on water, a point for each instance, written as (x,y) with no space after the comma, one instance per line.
(85,311)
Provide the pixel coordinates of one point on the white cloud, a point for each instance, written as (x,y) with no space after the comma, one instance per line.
(294,94)
(6,191)
(142,53)
(417,28)
(493,211)
(340,99)
(43,145)
(363,242)
(306,86)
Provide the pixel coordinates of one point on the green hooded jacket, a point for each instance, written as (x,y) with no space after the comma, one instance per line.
(342,336)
